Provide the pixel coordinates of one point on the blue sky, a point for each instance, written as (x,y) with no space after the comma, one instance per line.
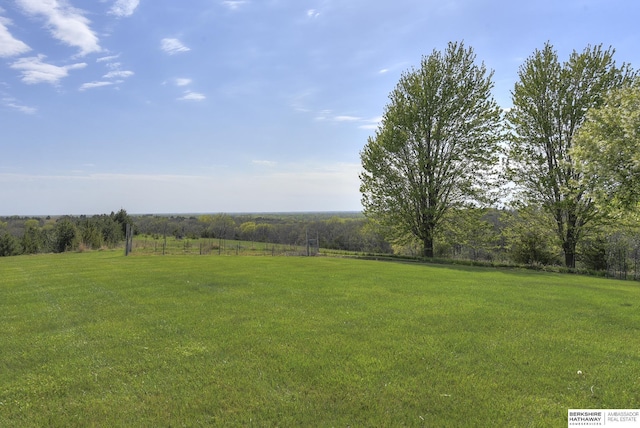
(167,106)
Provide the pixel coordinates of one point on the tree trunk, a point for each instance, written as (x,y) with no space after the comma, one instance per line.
(569,248)
(570,241)
(427,247)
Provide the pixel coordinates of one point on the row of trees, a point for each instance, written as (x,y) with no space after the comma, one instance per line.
(567,150)
(37,235)
(346,231)
(340,231)
(509,236)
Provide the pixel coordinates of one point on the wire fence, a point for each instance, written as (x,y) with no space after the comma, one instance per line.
(218,247)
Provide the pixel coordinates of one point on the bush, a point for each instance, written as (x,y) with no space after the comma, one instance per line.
(593,254)
(9,245)
(533,248)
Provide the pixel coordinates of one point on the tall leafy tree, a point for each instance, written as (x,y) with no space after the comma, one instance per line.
(608,148)
(8,244)
(65,234)
(435,148)
(221,226)
(32,238)
(550,102)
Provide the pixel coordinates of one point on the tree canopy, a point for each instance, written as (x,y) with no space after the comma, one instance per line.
(550,103)
(608,148)
(436,147)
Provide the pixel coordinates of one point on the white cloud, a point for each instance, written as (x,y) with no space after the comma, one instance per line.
(11,103)
(9,45)
(91,85)
(108,58)
(192,96)
(324,115)
(313,13)
(124,8)
(328,116)
(182,81)
(35,71)
(371,124)
(65,22)
(173,46)
(346,118)
(118,73)
(234,4)
(393,67)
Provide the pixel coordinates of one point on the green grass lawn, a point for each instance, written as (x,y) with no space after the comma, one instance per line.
(99,339)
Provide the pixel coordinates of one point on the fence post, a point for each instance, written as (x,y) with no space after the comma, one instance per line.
(129,240)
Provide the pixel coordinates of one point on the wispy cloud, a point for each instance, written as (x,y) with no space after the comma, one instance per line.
(109,58)
(9,45)
(91,85)
(114,76)
(11,103)
(124,8)
(34,70)
(65,22)
(173,46)
(345,118)
(313,13)
(122,74)
(180,81)
(363,123)
(329,116)
(371,124)
(234,4)
(192,96)
(393,68)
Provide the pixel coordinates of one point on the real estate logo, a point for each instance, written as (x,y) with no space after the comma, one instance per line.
(604,418)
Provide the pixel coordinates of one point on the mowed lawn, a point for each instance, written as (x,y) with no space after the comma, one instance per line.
(99,339)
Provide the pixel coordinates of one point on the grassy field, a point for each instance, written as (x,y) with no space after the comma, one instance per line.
(99,339)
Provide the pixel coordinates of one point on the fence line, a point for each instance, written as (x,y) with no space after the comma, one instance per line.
(221,247)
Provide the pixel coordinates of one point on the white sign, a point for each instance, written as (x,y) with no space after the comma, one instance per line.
(604,418)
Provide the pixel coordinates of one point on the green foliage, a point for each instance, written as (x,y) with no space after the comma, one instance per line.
(90,234)
(469,233)
(99,339)
(560,96)
(529,237)
(608,147)
(65,233)
(248,230)
(221,226)
(122,218)
(550,103)
(112,230)
(436,147)
(9,246)
(593,252)
(32,239)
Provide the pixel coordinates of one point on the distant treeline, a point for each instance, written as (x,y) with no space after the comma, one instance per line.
(32,235)
(488,235)
(339,231)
